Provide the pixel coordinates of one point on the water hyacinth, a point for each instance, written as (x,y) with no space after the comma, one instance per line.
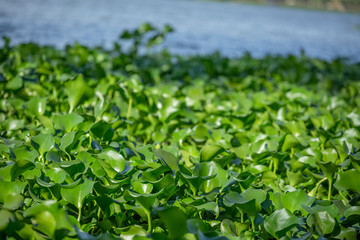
(113,144)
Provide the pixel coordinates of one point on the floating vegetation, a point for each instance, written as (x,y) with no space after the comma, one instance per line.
(113,144)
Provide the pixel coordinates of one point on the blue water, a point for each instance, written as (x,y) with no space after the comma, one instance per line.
(200,27)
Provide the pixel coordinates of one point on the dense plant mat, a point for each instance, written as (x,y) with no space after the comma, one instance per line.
(113,144)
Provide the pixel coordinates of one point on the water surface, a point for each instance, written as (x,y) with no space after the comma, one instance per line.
(201,27)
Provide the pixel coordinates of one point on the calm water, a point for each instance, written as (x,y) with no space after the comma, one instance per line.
(201,27)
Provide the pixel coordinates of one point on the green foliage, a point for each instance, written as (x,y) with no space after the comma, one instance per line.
(128,144)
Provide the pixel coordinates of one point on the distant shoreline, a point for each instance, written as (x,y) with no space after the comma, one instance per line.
(348,6)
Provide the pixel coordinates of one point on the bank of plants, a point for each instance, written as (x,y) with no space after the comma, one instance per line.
(131,144)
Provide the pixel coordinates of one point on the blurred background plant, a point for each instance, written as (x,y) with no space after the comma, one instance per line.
(331,5)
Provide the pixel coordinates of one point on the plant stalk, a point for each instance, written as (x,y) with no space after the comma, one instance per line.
(312,193)
(79,215)
(329,191)
(345,198)
(149,221)
(252,224)
(129,108)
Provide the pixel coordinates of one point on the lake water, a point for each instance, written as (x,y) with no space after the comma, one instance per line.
(200,27)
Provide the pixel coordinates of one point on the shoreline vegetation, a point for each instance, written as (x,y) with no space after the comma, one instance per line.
(350,6)
(111,144)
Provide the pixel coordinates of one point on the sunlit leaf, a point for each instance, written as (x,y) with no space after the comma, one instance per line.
(281,221)
(209,152)
(112,162)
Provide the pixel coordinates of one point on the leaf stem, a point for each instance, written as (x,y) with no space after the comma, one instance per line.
(241,215)
(329,191)
(90,140)
(129,108)
(345,198)
(98,213)
(193,189)
(252,223)
(276,164)
(312,193)
(149,221)
(79,215)
(68,155)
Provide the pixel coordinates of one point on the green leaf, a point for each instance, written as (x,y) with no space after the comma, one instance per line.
(208,206)
(73,168)
(69,140)
(67,122)
(258,194)
(53,156)
(163,183)
(46,222)
(36,106)
(77,195)
(209,152)
(112,162)
(352,216)
(324,222)
(348,180)
(329,168)
(142,188)
(20,167)
(196,181)
(168,158)
(14,124)
(245,179)
(49,217)
(132,232)
(174,220)
(5,218)
(5,173)
(102,130)
(331,209)
(43,143)
(281,221)
(293,201)
(347,234)
(8,188)
(15,83)
(289,142)
(47,123)
(208,169)
(145,200)
(354,210)
(13,201)
(197,225)
(76,91)
(329,155)
(250,207)
(57,175)
(21,153)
